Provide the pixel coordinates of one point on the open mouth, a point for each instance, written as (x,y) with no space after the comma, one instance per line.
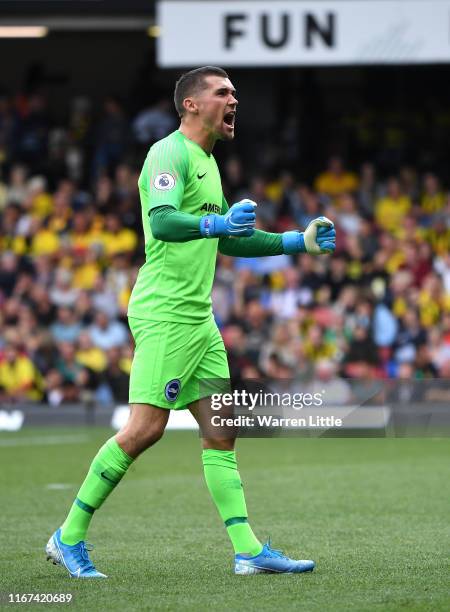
(229,118)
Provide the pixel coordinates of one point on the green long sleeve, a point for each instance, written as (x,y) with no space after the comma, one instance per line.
(261,244)
(171,225)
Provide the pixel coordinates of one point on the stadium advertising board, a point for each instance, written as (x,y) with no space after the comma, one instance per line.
(303,32)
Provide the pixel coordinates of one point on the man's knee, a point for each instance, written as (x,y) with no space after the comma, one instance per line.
(145,427)
(135,441)
(149,437)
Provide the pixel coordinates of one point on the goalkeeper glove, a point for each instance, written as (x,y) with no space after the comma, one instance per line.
(238,221)
(318,238)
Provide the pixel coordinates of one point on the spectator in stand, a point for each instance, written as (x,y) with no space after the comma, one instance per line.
(348,219)
(307,206)
(41,202)
(84,232)
(392,208)
(410,335)
(86,268)
(125,183)
(442,267)
(367,190)
(154,123)
(104,298)
(90,356)
(362,349)
(66,328)
(439,348)
(17,185)
(84,308)
(281,345)
(234,178)
(336,278)
(336,179)
(317,346)
(19,379)
(104,196)
(433,198)
(10,240)
(409,182)
(62,293)
(10,309)
(112,137)
(32,334)
(418,259)
(106,334)
(116,376)
(334,390)
(256,322)
(43,308)
(283,303)
(69,379)
(44,241)
(423,364)
(9,271)
(116,238)
(438,234)
(267,208)
(80,120)
(433,302)
(236,344)
(58,221)
(118,280)
(32,133)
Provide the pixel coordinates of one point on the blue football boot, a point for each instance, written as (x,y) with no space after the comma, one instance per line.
(270,561)
(74,558)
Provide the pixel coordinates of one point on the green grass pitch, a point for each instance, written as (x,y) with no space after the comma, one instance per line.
(373,513)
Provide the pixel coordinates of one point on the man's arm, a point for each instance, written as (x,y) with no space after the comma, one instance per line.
(318,238)
(261,244)
(171,225)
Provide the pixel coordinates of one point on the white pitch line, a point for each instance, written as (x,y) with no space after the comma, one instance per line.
(43,440)
(59,486)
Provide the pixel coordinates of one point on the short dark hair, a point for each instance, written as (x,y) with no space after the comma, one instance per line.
(193,81)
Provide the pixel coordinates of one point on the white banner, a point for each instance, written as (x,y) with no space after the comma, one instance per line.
(295,33)
(179,419)
(11,421)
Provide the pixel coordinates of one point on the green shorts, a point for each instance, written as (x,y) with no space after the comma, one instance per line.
(172,361)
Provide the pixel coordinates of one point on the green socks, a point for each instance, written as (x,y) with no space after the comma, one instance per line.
(110,465)
(106,471)
(225,486)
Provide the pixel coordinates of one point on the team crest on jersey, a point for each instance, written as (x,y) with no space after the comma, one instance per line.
(172,390)
(164,181)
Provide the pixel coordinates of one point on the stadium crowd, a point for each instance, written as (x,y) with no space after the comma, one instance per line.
(71,245)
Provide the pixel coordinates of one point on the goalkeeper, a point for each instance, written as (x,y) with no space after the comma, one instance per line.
(186,220)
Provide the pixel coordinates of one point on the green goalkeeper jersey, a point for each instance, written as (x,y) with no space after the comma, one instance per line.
(175,282)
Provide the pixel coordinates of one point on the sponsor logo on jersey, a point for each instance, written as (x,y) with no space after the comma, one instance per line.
(172,390)
(200,176)
(164,181)
(211,208)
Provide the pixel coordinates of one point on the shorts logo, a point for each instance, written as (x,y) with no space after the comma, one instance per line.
(164,182)
(172,390)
